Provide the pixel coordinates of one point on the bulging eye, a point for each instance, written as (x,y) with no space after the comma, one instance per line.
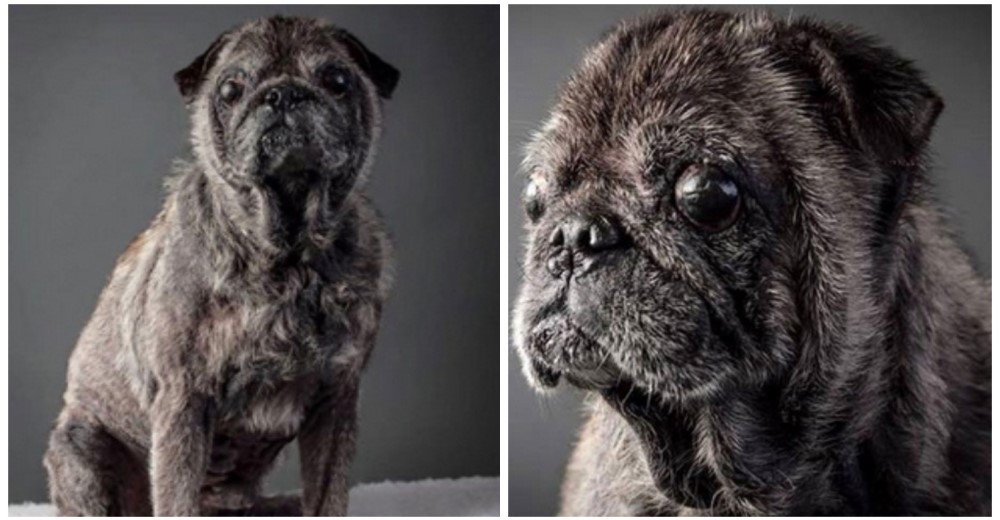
(335,79)
(532,202)
(707,197)
(230,91)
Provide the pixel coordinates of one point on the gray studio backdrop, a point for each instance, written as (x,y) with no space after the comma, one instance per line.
(95,122)
(951,44)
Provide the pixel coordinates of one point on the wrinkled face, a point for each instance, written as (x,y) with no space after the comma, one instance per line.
(288,104)
(655,203)
(710,203)
(647,274)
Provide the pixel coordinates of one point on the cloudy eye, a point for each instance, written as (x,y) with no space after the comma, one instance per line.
(336,79)
(532,201)
(707,197)
(230,91)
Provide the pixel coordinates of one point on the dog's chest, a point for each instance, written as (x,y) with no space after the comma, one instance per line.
(270,409)
(281,337)
(265,357)
(253,426)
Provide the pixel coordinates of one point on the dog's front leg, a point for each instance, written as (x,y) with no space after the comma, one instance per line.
(181,441)
(326,446)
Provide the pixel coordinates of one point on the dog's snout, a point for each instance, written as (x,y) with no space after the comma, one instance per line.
(582,236)
(285,97)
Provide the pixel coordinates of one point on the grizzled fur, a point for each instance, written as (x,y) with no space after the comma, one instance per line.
(828,353)
(241,319)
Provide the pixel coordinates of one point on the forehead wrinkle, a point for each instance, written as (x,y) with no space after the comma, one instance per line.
(642,63)
(654,70)
(553,149)
(288,44)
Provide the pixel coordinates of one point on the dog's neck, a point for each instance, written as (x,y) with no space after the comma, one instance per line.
(701,454)
(254,234)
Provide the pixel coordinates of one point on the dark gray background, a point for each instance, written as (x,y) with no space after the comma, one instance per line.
(95,122)
(951,44)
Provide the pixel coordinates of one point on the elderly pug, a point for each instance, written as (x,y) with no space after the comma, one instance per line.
(732,245)
(241,319)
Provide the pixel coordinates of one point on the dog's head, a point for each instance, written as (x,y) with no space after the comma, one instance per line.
(698,192)
(286,104)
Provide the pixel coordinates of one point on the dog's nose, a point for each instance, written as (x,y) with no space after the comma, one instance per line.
(588,234)
(285,97)
(584,235)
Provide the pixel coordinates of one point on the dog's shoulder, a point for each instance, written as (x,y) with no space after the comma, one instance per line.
(378,248)
(145,240)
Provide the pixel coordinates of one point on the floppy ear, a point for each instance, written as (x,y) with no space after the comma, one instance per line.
(383,75)
(190,78)
(878,99)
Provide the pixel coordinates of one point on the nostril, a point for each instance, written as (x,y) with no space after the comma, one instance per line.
(593,234)
(286,97)
(557,239)
(583,237)
(603,235)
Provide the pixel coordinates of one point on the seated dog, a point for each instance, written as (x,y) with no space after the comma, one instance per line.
(241,319)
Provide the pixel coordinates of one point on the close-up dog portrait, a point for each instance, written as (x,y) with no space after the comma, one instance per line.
(244,318)
(754,261)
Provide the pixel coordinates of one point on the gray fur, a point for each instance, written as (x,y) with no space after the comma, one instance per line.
(827,353)
(242,317)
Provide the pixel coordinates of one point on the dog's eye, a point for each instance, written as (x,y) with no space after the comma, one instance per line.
(336,79)
(707,197)
(532,202)
(230,91)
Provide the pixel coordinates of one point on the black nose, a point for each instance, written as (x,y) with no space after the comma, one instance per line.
(585,235)
(286,97)
(588,235)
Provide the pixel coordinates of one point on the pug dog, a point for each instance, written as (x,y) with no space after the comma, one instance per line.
(732,246)
(240,320)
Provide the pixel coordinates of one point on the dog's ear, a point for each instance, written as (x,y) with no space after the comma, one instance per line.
(190,78)
(878,99)
(383,75)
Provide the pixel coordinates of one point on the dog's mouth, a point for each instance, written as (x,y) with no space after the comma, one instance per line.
(596,336)
(290,162)
(286,151)
(556,348)
(281,139)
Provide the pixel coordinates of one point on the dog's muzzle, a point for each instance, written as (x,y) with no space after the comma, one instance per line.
(580,243)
